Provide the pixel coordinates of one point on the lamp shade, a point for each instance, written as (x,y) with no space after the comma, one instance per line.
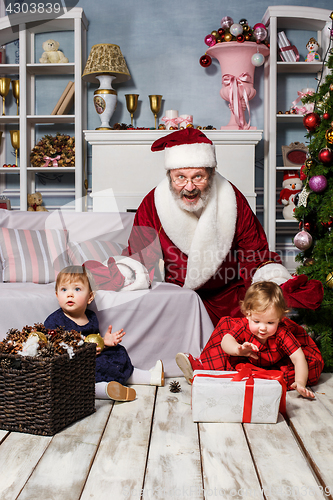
(106,58)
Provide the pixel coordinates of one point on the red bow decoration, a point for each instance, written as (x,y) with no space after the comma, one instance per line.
(106,277)
(246,370)
(301,292)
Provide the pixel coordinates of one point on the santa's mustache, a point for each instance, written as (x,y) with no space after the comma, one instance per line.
(193,193)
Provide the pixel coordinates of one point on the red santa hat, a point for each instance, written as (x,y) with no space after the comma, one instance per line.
(186,148)
(290,174)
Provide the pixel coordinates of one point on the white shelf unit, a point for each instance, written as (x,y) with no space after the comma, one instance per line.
(279,18)
(24,28)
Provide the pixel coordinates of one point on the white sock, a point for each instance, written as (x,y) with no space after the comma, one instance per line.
(100,390)
(139,377)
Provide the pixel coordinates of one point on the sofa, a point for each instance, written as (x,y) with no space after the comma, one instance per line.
(159,321)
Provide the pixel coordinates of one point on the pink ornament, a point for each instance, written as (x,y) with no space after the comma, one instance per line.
(226,22)
(318,183)
(259,25)
(260,34)
(210,40)
(303,240)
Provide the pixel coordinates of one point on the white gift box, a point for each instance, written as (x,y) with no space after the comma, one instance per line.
(290,55)
(218,398)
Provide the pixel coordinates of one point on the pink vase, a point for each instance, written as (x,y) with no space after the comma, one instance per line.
(237,78)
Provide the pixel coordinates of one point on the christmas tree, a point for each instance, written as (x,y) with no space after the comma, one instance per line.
(315,210)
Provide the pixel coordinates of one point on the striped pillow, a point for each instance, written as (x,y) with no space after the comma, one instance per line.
(80,252)
(32,256)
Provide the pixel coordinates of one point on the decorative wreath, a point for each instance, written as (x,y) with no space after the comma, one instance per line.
(54,151)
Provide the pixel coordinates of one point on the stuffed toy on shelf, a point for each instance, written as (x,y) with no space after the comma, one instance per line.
(35,201)
(291,185)
(51,53)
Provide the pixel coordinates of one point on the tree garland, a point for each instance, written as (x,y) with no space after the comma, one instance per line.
(53,151)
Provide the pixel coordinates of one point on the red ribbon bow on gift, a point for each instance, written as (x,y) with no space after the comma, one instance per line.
(237,91)
(246,370)
(53,160)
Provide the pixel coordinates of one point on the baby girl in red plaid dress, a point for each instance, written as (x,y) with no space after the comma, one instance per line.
(265,338)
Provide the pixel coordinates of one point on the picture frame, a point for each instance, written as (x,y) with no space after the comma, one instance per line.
(294,155)
(5,202)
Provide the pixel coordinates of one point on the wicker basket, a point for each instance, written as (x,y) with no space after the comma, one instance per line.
(44,395)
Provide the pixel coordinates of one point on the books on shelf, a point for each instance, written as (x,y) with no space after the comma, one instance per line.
(65,101)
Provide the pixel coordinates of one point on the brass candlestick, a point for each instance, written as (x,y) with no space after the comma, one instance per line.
(155,105)
(131,104)
(4,89)
(16,92)
(15,139)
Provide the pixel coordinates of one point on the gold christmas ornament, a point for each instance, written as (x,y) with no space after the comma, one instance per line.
(329,135)
(95,338)
(228,37)
(309,163)
(331,15)
(329,280)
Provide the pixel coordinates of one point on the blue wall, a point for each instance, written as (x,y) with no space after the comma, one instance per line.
(162,42)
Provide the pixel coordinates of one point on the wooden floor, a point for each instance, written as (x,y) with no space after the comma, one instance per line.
(151,449)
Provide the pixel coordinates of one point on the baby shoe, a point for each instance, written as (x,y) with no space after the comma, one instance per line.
(119,392)
(187,363)
(157,374)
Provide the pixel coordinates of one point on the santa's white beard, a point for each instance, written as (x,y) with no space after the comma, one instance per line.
(192,207)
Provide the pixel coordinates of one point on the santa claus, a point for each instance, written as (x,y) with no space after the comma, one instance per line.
(211,240)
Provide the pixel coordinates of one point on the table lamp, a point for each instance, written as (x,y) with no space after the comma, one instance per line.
(105,65)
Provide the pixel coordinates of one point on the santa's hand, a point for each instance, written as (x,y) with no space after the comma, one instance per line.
(272,272)
(248,349)
(135,273)
(303,391)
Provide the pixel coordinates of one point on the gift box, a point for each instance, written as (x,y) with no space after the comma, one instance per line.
(225,396)
(288,52)
(44,395)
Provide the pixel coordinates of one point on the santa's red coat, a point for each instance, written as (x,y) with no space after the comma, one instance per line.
(245,248)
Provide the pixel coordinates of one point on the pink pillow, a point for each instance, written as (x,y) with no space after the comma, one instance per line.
(100,251)
(32,256)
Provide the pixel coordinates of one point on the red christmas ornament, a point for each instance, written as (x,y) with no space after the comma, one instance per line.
(326,116)
(240,38)
(325,155)
(205,61)
(311,121)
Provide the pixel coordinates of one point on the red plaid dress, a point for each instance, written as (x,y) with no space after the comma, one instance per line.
(274,354)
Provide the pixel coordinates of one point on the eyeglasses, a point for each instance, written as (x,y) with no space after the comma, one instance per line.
(181,181)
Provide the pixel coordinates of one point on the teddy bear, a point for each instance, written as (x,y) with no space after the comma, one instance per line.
(35,201)
(291,185)
(51,53)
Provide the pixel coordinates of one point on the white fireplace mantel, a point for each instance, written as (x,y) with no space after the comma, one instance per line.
(124,169)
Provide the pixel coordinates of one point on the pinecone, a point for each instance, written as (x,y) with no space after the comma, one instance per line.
(47,351)
(175,386)
(5,364)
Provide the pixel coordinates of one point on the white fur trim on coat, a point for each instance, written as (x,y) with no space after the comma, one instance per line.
(207,240)
(272,272)
(196,155)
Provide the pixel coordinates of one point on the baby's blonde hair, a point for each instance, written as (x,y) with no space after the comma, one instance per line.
(80,273)
(262,295)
